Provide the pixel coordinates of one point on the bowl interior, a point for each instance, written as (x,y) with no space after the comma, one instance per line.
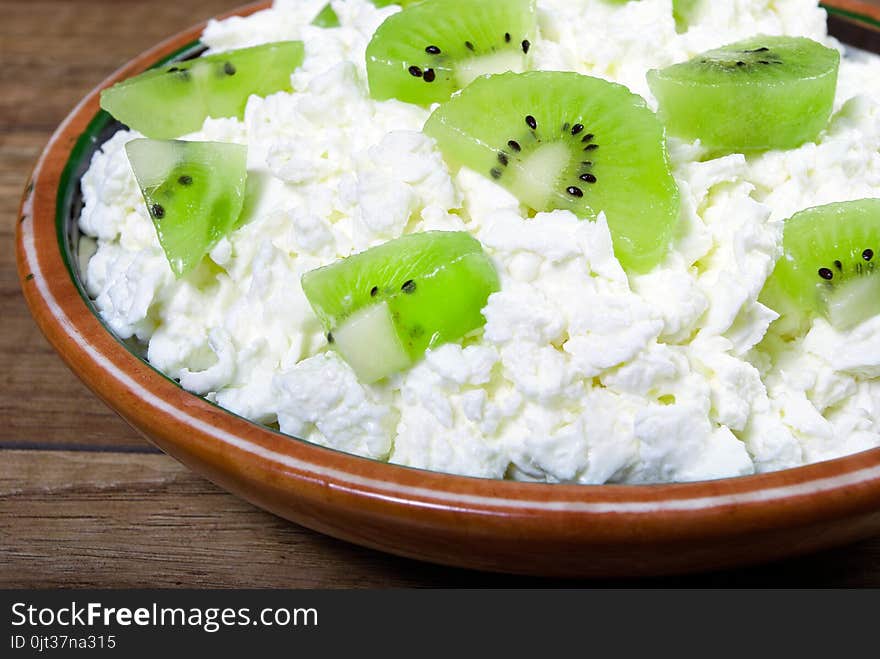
(77,248)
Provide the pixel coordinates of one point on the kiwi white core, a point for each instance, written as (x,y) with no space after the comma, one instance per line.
(470,69)
(368,342)
(853,302)
(536,177)
(154,158)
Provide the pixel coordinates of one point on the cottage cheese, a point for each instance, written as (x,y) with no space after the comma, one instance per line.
(582,374)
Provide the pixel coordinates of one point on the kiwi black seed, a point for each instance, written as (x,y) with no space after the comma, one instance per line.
(157,211)
(853,268)
(847,267)
(743,61)
(181,74)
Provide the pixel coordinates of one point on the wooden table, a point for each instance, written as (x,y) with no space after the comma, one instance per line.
(84,501)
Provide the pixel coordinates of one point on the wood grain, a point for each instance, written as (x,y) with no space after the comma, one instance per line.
(84,501)
(120,520)
(54,52)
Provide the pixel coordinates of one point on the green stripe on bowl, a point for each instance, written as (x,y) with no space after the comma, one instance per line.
(68,206)
(867,21)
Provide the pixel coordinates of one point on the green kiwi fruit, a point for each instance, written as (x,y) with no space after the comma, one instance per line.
(194,193)
(431,49)
(326,17)
(562,140)
(828,266)
(683,12)
(174,99)
(382,308)
(754,95)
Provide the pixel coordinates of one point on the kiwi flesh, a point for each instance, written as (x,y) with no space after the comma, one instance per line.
(683,11)
(194,192)
(828,266)
(560,140)
(766,92)
(175,99)
(431,49)
(326,17)
(384,307)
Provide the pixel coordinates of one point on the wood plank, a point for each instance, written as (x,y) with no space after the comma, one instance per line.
(40,399)
(110,520)
(106,520)
(54,52)
(114,520)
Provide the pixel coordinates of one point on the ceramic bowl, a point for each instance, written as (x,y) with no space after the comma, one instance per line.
(554,530)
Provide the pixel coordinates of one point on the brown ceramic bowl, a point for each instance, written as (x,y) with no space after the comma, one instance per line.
(560,530)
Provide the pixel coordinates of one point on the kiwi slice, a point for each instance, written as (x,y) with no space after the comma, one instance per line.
(326,17)
(562,140)
(175,99)
(384,307)
(828,265)
(753,95)
(683,12)
(194,193)
(432,49)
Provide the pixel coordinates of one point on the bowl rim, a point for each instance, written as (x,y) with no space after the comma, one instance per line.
(230,449)
(864,12)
